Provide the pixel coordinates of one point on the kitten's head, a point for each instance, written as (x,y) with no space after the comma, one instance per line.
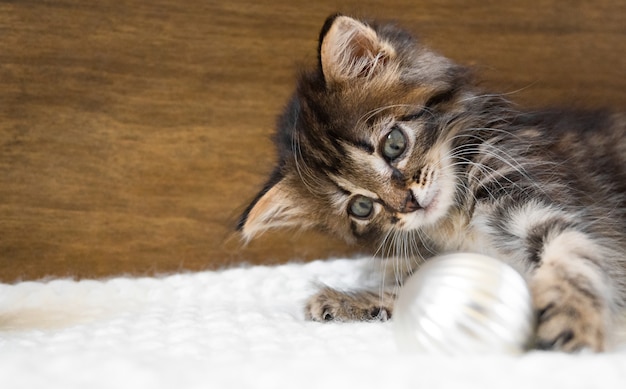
(362,150)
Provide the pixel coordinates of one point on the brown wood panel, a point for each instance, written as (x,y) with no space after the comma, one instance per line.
(132,133)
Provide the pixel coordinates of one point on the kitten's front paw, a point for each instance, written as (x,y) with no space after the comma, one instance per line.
(569,319)
(333,305)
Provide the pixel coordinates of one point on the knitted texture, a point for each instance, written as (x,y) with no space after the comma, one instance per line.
(241,327)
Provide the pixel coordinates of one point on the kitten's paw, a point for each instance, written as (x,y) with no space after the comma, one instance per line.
(333,305)
(569,318)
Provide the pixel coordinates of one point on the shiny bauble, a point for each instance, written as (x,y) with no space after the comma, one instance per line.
(461,304)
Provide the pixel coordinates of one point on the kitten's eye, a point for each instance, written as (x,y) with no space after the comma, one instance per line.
(361,207)
(394,144)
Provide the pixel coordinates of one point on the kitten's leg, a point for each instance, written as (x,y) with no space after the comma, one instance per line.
(571,294)
(334,305)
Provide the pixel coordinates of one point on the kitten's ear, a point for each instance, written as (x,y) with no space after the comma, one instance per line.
(274,207)
(350,49)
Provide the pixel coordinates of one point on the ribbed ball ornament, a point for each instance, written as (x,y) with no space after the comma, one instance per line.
(464,303)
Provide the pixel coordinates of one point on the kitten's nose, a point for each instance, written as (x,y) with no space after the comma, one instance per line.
(410,203)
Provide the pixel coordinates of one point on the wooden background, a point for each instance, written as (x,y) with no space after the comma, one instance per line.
(133,133)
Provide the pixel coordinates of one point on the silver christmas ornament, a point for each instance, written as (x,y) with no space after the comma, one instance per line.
(464,304)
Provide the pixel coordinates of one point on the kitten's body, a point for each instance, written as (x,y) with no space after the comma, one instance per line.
(391,147)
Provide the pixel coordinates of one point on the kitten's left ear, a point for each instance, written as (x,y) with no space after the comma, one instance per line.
(275,207)
(350,49)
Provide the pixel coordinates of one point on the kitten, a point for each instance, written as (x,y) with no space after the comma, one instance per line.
(391,147)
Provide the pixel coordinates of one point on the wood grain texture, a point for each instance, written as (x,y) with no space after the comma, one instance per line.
(133,133)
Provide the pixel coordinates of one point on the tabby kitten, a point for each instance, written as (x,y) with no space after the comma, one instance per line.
(391,147)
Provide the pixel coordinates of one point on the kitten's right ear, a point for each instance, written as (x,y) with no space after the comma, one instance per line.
(274,207)
(349,49)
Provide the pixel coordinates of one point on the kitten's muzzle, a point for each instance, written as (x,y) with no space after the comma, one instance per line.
(410,203)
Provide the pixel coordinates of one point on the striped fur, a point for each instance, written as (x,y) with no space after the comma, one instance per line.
(544,191)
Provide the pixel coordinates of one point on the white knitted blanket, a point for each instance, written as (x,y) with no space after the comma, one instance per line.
(240,328)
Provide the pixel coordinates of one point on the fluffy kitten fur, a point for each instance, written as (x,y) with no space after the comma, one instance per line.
(392,147)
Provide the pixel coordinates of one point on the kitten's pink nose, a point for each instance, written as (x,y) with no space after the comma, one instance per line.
(410,203)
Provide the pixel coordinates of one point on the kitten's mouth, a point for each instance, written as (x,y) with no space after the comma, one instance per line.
(428,212)
(427,198)
(429,201)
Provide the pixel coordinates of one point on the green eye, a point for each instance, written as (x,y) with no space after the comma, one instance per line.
(394,144)
(361,207)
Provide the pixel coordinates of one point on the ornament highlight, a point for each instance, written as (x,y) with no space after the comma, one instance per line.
(464,303)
